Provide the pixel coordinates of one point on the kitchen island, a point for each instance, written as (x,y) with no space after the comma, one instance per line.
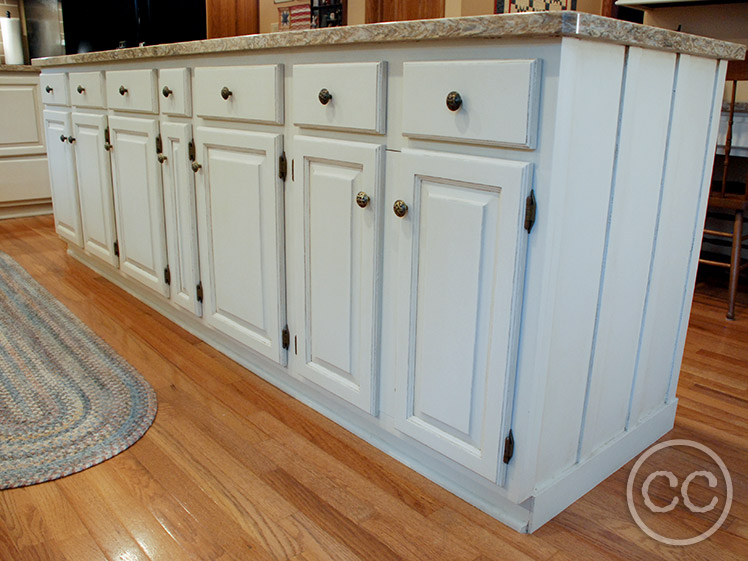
(472,241)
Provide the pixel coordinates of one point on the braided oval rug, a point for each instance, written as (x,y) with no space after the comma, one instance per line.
(67,400)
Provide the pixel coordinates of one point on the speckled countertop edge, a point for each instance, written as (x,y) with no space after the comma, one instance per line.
(18,68)
(504,26)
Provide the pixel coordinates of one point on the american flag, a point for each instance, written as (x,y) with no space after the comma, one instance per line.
(301,16)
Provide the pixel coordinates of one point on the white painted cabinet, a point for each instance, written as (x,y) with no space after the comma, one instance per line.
(138,201)
(459,261)
(338,329)
(94,175)
(240,225)
(58,126)
(180,214)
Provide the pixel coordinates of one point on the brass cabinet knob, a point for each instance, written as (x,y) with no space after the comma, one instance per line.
(362,199)
(80,89)
(225,92)
(166,91)
(324,96)
(107,146)
(161,158)
(71,139)
(49,89)
(196,167)
(122,90)
(63,138)
(454,101)
(400,208)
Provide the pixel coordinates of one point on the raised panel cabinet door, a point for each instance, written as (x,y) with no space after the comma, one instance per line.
(338,337)
(459,259)
(240,228)
(66,205)
(181,217)
(94,173)
(139,201)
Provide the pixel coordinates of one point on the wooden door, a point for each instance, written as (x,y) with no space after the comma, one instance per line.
(94,176)
(138,201)
(59,126)
(342,200)
(399,10)
(240,227)
(459,261)
(228,18)
(180,214)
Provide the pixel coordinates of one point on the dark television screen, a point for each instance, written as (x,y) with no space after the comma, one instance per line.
(93,25)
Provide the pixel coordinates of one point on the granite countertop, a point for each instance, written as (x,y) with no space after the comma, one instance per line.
(18,68)
(503,26)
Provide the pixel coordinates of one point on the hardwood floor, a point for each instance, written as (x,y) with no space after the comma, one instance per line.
(234,469)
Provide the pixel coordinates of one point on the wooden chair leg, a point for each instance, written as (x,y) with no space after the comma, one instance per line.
(737,243)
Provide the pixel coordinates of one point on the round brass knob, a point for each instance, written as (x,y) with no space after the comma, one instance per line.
(49,89)
(454,101)
(400,208)
(324,96)
(196,167)
(225,92)
(122,90)
(80,89)
(362,199)
(71,139)
(63,138)
(166,91)
(161,158)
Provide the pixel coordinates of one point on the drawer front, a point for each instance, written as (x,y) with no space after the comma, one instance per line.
(174,91)
(132,90)
(356,96)
(87,89)
(242,93)
(497,101)
(54,89)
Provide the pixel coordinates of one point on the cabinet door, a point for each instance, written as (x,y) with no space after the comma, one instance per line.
(338,333)
(240,227)
(459,262)
(59,127)
(139,201)
(181,219)
(93,170)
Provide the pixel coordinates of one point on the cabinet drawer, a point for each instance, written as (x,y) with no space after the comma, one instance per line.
(243,93)
(132,90)
(54,89)
(496,102)
(174,91)
(356,90)
(87,89)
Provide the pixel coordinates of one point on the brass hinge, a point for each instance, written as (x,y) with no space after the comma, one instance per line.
(508,447)
(286,337)
(199,292)
(159,145)
(167,275)
(191,150)
(107,140)
(530,211)
(116,248)
(282,166)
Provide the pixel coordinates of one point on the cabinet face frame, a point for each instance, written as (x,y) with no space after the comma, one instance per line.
(138,200)
(181,216)
(95,186)
(346,285)
(249,305)
(485,198)
(62,180)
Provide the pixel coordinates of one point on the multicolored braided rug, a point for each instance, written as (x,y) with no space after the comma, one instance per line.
(67,400)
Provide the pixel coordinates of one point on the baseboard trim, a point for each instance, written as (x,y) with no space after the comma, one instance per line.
(25,209)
